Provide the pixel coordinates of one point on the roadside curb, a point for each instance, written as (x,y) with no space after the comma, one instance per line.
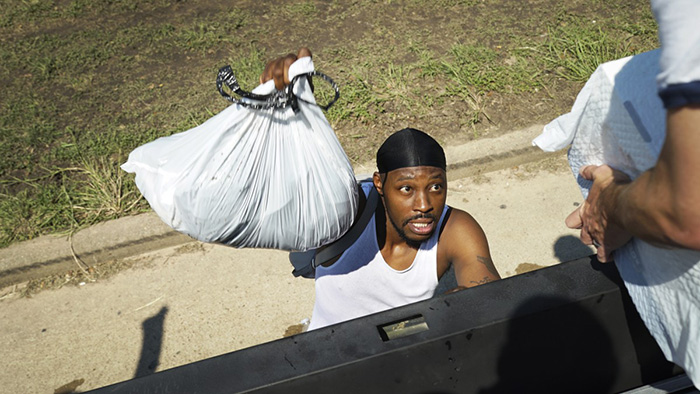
(133,235)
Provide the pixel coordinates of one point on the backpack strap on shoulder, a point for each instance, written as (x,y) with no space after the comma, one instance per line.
(305,263)
(444,221)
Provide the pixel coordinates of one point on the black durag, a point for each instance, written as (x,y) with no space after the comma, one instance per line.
(409,148)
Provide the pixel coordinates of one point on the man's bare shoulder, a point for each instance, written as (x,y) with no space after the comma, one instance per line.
(462,235)
(463,244)
(459,223)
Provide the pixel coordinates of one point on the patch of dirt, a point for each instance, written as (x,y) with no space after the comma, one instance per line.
(527,267)
(70,387)
(192,247)
(91,274)
(142,71)
(551,164)
(79,277)
(331,29)
(294,330)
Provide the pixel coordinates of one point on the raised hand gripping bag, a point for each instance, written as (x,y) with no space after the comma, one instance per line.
(254,175)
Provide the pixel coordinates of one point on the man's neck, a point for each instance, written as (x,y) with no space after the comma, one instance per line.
(397,252)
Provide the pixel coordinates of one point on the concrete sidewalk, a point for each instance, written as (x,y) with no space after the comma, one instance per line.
(185,301)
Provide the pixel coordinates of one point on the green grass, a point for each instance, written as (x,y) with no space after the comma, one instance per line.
(85,82)
(575,52)
(576,47)
(82,99)
(306,9)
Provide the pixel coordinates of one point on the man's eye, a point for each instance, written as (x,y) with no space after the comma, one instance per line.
(405,189)
(437,187)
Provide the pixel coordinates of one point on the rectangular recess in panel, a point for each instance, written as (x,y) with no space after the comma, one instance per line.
(403,328)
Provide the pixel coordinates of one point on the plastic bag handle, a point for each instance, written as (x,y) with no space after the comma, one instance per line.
(278,99)
(325,78)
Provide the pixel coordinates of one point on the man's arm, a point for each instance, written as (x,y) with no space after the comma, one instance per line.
(464,244)
(662,206)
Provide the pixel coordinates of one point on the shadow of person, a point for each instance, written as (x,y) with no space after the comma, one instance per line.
(152,343)
(568,248)
(570,354)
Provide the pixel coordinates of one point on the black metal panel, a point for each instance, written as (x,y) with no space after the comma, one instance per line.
(567,328)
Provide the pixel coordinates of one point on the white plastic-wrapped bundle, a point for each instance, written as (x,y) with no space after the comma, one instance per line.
(619,119)
(259,178)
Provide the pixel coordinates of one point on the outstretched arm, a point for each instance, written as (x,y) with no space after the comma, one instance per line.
(464,244)
(662,206)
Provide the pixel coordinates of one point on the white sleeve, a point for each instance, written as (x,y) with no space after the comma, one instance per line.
(679,33)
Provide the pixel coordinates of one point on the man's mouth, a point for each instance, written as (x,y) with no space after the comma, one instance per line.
(421,228)
(422,225)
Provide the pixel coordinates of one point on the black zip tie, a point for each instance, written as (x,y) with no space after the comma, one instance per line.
(279,99)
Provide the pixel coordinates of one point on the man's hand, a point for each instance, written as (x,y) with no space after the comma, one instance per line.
(592,216)
(278,69)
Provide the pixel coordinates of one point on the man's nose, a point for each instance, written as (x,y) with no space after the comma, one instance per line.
(422,202)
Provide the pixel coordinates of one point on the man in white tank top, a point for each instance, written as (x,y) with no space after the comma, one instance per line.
(412,238)
(409,243)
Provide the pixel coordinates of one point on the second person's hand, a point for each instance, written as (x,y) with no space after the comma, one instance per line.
(592,216)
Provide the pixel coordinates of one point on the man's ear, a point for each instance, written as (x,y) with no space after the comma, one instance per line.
(377,180)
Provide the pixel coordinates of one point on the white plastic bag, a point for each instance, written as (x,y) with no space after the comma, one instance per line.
(255,178)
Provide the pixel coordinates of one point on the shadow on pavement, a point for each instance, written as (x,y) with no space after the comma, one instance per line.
(152,344)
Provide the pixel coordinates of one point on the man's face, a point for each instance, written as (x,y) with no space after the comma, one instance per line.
(414,198)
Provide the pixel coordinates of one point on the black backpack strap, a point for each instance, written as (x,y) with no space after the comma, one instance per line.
(338,247)
(444,221)
(305,263)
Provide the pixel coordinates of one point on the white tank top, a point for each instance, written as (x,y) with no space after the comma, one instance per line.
(361,282)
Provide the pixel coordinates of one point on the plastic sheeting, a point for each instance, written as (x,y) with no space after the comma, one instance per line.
(618,119)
